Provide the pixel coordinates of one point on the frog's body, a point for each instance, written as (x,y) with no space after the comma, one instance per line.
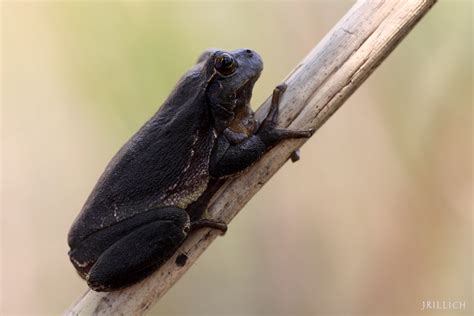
(138,213)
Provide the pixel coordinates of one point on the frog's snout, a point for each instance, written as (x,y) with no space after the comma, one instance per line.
(253,55)
(253,59)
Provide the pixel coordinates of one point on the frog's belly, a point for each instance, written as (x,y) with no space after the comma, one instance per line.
(185,197)
(186,191)
(194,177)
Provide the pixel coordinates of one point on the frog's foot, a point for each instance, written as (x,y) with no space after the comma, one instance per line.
(269,132)
(209,223)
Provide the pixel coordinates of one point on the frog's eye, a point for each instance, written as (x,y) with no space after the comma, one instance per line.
(225,64)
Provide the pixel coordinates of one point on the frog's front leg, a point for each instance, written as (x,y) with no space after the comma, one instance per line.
(228,158)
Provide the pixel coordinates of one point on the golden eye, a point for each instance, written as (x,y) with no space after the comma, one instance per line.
(225,64)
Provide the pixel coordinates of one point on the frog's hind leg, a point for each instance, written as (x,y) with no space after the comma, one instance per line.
(139,253)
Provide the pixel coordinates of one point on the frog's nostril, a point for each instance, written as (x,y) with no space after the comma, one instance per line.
(249,52)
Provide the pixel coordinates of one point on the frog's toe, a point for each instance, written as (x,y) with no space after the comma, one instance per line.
(295,156)
(272,115)
(287,133)
(209,223)
(280,88)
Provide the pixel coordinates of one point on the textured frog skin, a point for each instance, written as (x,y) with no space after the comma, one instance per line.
(171,149)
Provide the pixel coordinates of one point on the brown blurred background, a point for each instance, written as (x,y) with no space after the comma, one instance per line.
(375,218)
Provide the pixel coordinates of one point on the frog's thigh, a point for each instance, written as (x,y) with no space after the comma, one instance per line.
(136,255)
(84,254)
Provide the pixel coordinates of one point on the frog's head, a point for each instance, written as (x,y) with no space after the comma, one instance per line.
(229,88)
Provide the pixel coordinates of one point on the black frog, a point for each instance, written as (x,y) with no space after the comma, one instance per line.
(154,191)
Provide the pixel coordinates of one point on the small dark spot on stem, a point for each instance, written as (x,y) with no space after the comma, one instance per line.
(181,260)
(347,31)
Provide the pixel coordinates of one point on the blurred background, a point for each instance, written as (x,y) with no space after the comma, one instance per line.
(373,220)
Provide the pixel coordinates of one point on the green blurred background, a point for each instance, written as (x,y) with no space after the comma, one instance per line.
(375,218)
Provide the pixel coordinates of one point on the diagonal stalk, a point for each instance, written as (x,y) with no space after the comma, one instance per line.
(317,87)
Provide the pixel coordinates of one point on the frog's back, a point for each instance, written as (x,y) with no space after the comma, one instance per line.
(165,163)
